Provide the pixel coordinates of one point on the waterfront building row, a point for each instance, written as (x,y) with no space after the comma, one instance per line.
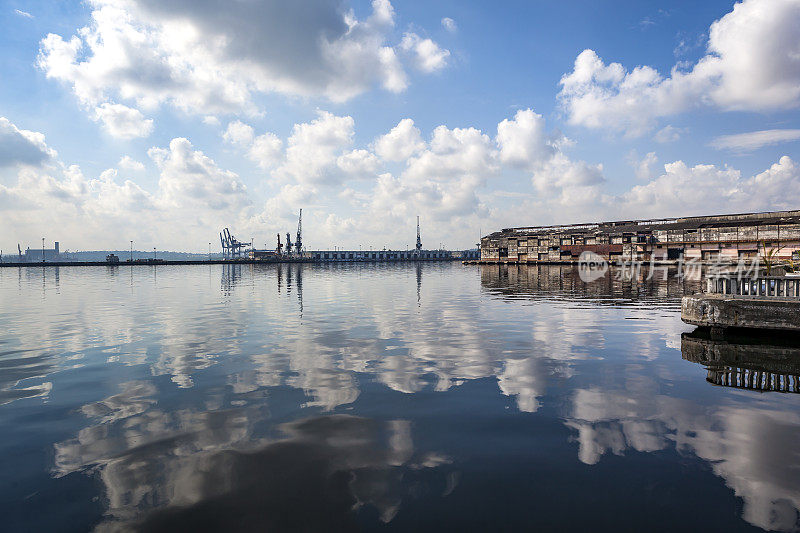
(708,238)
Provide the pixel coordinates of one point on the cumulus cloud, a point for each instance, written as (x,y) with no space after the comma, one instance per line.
(193,199)
(215,56)
(442,178)
(22,147)
(454,153)
(265,150)
(403,141)
(358,163)
(754,140)
(752,63)
(122,121)
(569,182)
(313,148)
(523,141)
(129,163)
(239,133)
(428,56)
(191,179)
(707,189)
(644,167)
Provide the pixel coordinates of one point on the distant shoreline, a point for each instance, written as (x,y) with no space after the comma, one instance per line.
(160,262)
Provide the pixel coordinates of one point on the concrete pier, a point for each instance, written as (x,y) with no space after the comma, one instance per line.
(723,311)
(769,303)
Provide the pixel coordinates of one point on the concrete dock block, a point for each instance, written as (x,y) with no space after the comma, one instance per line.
(725,311)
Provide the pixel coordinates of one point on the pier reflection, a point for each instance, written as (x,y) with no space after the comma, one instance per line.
(764,364)
(661,284)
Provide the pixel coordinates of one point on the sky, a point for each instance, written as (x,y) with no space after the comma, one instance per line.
(164,122)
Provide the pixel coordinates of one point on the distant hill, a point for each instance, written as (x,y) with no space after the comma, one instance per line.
(124,255)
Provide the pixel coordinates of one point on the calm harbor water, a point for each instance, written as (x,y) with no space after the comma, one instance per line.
(383,397)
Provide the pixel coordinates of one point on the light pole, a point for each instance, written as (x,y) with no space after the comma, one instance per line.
(209,251)
(154,253)
(42,249)
(131,251)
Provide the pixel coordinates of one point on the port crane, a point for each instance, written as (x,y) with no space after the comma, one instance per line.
(231,247)
(419,240)
(298,243)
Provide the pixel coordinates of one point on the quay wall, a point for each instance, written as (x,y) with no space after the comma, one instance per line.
(306,257)
(724,311)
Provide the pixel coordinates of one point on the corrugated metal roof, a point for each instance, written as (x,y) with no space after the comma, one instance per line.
(636,226)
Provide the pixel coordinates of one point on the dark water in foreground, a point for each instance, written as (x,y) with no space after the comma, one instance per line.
(396,397)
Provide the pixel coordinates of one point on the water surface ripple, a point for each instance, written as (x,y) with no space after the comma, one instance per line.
(429,396)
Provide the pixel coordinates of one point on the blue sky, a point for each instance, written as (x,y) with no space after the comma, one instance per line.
(126,119)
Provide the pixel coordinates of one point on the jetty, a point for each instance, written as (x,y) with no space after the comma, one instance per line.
(770,303)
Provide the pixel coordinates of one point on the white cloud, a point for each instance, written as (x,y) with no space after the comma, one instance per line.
(428,56)
(359,163)
(523,141)
(122,121)
(668,134)
(215,56)
(707,189)
(403,141)
(129,163)
(211,120)
(265,150)
(777,187)
(191,179)
(239,133)
(449,24)
(23,14)
(644,167)
(22,147)
(454,153)
(568,181)
(754,140)
(752,63)
(313,148)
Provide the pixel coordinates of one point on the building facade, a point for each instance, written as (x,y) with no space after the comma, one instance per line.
(37,255)
(708,238)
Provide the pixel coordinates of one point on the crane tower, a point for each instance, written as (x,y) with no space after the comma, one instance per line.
(419,240)
(298,243)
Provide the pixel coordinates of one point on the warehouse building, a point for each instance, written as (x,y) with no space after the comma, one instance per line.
(707,238)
